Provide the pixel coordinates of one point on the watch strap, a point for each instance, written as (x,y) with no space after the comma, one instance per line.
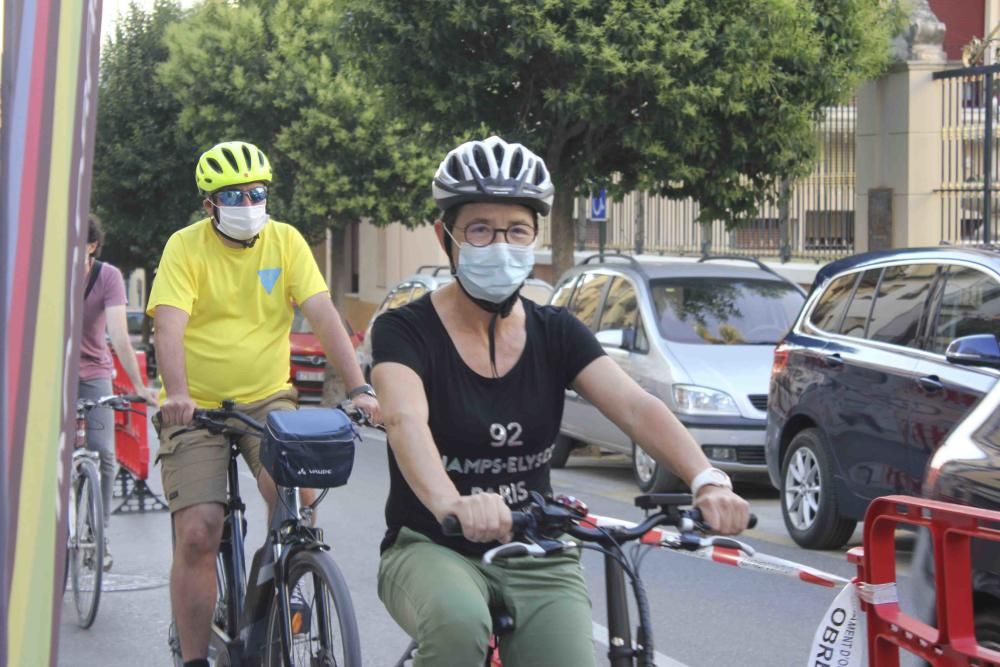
(361,389)
(710,477)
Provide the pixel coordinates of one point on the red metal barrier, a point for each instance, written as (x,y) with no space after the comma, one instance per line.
(952,643)
(131,434)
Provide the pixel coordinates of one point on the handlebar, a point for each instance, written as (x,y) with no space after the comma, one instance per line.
(217,420)
(537,529)
(118,402)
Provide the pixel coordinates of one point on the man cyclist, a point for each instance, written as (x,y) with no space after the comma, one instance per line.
(471,380)
(222,304)
(104,319)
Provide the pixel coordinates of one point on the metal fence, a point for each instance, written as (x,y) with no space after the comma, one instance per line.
(969,162)
(817,223)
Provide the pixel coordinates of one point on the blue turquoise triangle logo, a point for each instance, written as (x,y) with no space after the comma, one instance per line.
(268,277)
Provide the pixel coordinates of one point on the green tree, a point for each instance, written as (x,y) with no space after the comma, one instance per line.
(143,171)
(269,73)
(710,99)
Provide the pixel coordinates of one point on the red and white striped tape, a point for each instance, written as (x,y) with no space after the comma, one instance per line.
(728,556)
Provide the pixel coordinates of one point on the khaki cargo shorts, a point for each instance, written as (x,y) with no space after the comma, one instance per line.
(194,465)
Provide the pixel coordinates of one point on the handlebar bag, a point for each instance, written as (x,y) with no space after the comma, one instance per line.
(311,448)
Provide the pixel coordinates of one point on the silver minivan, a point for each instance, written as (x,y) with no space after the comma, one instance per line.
(699,335)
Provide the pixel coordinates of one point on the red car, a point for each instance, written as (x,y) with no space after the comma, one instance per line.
(308,362)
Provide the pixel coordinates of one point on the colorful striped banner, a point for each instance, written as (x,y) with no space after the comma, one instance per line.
(50,55)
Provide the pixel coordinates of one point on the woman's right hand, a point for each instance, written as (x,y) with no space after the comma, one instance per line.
(177,411)
(485,517)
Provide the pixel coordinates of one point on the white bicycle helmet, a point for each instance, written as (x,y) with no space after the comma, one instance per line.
(491,170)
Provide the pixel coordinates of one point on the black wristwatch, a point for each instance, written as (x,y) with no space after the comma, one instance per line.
(362,389)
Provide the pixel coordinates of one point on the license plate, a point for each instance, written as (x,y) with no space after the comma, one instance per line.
(309,376)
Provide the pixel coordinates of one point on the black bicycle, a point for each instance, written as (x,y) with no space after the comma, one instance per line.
(256,620)
(85,539)
(540,531)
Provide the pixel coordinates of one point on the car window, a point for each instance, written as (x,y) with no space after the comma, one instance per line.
(587,297)
(299,322)
(898,315)
(536,292)
(641,340)
(724,310)
(400,297)
(620,306)
(830,307)
(860,306)
(134,320)
(418,291)
(969,304)
(564,292)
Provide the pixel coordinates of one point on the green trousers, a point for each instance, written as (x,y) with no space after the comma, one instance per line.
(443,600)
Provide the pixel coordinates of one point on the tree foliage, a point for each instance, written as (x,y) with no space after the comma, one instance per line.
(712,100)
(143,174)
(269,73)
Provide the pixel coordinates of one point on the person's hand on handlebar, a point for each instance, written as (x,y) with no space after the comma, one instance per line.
(177,410)
(484,517)
(369,406)
(724,511)
(151,395)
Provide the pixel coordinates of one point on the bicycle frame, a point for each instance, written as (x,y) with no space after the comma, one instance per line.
(248,620)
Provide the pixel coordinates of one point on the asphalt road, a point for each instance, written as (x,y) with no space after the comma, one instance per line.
(704,613)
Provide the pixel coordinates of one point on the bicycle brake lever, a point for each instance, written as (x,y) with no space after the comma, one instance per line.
(512,549)
(730,543)
(187,429)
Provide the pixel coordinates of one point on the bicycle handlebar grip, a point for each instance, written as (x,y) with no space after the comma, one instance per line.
(697,517)
(134,398)
(451,526)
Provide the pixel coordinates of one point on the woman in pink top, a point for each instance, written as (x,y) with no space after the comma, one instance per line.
(104,309)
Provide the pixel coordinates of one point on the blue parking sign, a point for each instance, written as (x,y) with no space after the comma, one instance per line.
(599,205)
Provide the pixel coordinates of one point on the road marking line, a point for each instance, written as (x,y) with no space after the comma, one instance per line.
(600,634)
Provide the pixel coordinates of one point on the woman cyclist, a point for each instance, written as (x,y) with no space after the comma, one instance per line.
(471,381)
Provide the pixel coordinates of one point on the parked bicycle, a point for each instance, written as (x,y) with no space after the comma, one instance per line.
(85,542)
(255,622)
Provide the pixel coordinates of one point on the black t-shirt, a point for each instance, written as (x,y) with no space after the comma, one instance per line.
(494,434)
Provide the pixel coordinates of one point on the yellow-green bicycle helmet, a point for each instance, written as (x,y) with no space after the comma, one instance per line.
(231,163)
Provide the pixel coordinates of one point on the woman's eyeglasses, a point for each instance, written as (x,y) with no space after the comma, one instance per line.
(480,234)
(235,197)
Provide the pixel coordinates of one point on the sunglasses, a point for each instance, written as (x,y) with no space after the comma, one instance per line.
(235,197)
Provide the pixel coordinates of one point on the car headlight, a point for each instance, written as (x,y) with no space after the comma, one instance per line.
(694,400)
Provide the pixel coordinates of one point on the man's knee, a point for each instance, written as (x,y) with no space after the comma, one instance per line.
(197,531)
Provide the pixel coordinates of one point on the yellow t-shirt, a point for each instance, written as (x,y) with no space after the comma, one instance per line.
(239,302)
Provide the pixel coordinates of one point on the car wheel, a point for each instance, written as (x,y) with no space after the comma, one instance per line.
(651,477)
(561,449)
(808,499)
(988,627)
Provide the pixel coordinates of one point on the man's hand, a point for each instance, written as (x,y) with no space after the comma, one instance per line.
(724,511)
(177,411)
(485,517)
(368,405)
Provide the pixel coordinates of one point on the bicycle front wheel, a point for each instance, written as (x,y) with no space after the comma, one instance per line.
(324,628)
(87,546)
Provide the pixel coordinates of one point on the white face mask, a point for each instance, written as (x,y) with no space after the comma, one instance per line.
(242,222)
(496,271)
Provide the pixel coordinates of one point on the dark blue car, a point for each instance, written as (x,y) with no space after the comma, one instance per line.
(862,391)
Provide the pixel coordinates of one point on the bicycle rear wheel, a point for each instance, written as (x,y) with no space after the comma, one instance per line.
(87,547)
(325,630)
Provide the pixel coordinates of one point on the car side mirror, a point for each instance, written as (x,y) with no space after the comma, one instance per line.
(612,338)
(976,350)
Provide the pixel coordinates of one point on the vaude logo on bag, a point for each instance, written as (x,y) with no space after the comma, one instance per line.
(315,471)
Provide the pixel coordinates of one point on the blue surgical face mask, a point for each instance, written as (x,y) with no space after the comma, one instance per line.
(493,272)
